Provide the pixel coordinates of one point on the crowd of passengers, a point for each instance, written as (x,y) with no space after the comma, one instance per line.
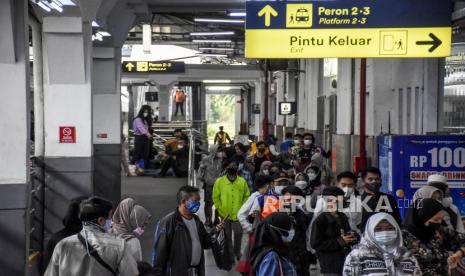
(250,193)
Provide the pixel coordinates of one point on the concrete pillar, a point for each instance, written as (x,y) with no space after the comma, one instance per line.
(106,117)
(344,97)
(164,98)
(67,51)
(313,86)
(14,139)
(281,85)
(258,118)
(291,90)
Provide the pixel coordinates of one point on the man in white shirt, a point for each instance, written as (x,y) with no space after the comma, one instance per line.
(93,251)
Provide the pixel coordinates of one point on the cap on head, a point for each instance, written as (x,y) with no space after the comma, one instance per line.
(438,178)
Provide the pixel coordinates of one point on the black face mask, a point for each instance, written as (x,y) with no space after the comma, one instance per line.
(434,226)
(231,171)
(260,150)
(373,187)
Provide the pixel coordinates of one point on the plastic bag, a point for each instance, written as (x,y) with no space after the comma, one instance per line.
(221,252)
(243,266)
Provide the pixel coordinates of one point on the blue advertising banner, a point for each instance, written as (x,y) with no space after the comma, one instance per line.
(414,158)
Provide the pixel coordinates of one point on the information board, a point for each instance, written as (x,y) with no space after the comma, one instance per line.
(287,108)
(161,67)
(414,158)
(347,29)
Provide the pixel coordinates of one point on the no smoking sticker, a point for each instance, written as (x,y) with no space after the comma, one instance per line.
(67,135)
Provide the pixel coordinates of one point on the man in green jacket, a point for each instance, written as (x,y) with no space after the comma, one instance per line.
(229,193)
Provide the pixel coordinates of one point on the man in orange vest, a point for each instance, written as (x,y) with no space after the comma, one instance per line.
(180,97)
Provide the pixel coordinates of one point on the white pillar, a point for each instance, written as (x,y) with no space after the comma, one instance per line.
(67,53)
(14,137)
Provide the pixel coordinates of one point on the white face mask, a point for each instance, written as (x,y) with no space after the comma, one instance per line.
(180,146)
(447,202)
(289,237)
(266,172)
(297,142)
(307,142)
(146,114)
(311,176)
(139,231)
(348,191)
(385,237)
(279,189)
(302,184)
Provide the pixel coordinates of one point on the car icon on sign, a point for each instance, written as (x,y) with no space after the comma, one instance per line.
(302,15)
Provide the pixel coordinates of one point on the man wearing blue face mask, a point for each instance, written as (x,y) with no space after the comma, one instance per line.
(93,251)
(180,238)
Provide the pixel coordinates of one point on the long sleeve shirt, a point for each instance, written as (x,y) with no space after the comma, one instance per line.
(228,197)
(70,256)
(140,127)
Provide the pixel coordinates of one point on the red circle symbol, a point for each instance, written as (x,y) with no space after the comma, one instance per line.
(67,131)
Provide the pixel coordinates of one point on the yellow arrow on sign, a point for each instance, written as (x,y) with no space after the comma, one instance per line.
(130,66)
(268,11)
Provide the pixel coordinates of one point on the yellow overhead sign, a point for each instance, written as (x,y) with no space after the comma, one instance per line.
(348,29)
(348,43)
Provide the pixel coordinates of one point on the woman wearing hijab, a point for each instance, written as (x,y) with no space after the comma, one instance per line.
(129,221)
(298,255)
(381,251)
(421,236)
(270,252)
(302,182)
(265,168)
(453,219)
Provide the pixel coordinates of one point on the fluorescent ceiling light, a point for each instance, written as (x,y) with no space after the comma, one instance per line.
(146,37)
(211,41)
(220,88)
(211,33)
(215,49)
(216,81)
(97,36)
(66,2)
(218,20)
(211,55)
(44,6)
(57,5)
(237,14)
(104,33)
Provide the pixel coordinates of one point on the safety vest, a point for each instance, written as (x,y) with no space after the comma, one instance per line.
(180,96)
(270,205)
(221,138)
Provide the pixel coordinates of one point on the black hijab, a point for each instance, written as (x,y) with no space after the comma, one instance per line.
(269,239)
(71,220)
(423,211)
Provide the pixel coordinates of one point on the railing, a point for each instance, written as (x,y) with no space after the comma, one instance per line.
(197,132)
(35,212)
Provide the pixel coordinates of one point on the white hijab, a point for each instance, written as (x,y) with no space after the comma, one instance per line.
(390,252)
